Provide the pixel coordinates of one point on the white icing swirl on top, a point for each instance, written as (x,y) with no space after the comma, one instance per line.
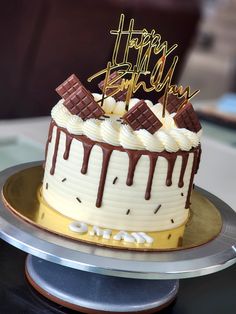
(111,130)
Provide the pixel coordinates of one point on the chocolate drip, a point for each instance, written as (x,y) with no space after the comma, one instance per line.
(134,157)
(171,163)
(195,160)
(49,138)
(153,161)
(87,150)
(198,159)
(182,172)
(69,139)
(54,158)
(52,124)
(105,162)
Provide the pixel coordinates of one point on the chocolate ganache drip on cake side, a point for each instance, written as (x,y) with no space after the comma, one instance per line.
(134,156)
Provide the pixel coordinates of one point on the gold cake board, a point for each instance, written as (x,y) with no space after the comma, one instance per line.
(21,194)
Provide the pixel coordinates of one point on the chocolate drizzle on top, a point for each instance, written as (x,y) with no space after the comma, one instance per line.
(134,156)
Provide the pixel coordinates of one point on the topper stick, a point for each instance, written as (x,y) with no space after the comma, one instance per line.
(102,99)
(145,44)
(164,105)
(105,82)
(131,88)
(165,99)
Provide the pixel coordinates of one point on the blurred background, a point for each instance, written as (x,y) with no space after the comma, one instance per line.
(44,41)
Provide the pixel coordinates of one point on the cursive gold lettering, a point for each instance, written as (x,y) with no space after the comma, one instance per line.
(131,73)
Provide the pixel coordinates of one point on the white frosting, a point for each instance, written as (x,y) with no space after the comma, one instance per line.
(138,237)
(125,236)
(146,237)
(97,231)
(106,234)
(79,227)
(74,125)
(169,137)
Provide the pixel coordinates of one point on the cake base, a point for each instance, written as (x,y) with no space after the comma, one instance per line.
(94,293)
(21,196)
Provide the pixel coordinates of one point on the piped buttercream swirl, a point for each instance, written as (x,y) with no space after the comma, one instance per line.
(111,130)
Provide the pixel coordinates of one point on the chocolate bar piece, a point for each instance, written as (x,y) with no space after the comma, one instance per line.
(187,118)
(121,95)
(69,86)
(82,104)
(173,102)
(141,116)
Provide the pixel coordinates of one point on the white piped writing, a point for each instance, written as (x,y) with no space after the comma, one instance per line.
(79,227)
(96,231)
(134,237)
(138,237)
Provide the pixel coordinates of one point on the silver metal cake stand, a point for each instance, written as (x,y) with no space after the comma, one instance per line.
(94,279)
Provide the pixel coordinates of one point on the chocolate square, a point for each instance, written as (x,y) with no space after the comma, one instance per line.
(187,118)
(173,102)
(69,86)
(121,95)
(82,104)
(141,116)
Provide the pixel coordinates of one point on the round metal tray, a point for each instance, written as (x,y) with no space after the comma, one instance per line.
(205,259)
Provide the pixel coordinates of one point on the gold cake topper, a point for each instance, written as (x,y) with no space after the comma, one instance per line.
(146,44)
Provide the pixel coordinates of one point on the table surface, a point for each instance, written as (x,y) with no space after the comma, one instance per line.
(208,294)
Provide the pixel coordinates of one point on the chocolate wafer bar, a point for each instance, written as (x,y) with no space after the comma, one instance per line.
(141,116)
(69,86)
(187,118)
(121,95)
(173,102)
(82,104)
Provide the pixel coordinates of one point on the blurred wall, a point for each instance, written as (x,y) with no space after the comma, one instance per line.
(44,41)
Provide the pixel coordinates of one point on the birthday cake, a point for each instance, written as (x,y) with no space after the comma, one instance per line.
(118,164)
